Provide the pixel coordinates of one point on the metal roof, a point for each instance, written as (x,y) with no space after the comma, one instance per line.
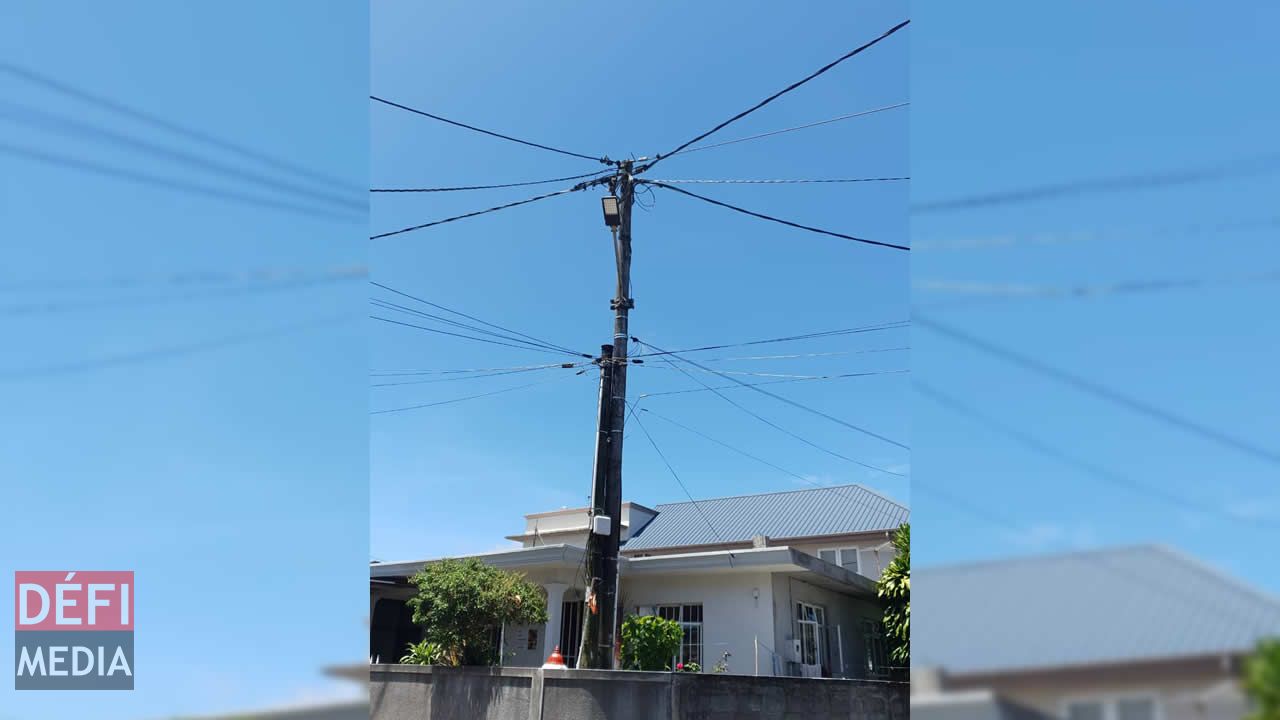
(798,513)
(1117,605)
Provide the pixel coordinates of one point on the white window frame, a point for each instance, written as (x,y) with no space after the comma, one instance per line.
(1110,702)
(819,624)
(840,551)
(681,655)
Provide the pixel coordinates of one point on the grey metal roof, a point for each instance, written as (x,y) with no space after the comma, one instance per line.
(819,511)
(1114,605)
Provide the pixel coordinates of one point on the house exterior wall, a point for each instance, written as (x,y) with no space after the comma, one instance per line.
(732,617)
(1193,689)
(841,610)
(874,552)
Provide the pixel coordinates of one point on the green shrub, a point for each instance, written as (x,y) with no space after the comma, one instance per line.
(423,653)
(649,642)
(461,603)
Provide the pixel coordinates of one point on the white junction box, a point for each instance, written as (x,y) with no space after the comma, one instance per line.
(601,524)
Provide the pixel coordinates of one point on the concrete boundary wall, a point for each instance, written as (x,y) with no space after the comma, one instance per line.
(410,692)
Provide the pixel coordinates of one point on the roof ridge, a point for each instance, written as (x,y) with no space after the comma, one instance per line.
(1219,575)
(1038,557)
(858,486)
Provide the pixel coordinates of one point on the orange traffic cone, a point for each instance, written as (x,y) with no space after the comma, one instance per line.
(555,661)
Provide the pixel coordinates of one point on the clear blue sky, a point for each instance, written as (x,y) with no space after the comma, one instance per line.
(231,480)
(1028,94)
(620,79)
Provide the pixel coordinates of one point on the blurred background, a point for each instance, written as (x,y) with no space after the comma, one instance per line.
(183,207)
(1094,428)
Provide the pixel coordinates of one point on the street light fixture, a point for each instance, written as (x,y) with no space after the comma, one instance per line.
(612,217)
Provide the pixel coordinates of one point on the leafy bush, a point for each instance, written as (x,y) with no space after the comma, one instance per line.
(460,603)
(895,590)
(688,667)
(1262,681)
(423,653)
(649,642)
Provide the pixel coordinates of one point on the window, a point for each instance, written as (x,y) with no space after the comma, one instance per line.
(811,622)
(1131,707)
(1092,710)
(846,558)
(877,660)
(690,619)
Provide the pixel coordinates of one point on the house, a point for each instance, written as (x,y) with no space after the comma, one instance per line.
(783,582)
(1128,633)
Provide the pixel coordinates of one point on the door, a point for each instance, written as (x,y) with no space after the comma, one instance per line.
(810,620)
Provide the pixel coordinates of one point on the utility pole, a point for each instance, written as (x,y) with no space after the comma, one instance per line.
(588,646)
(605,584)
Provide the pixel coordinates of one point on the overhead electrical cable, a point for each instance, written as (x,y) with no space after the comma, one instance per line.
(790,338)
(487,132)
(778,427)
(1116,397)
(658,158)
(488,187)
(773,382)
(786,400)
(770,218)
(463,399)
(466,337)
(383,304)
(575,188)
(459,313)
(777,182)
(170,126)
(686,151)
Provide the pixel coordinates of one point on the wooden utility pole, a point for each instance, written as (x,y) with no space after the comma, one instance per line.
(588,647)
(602,626)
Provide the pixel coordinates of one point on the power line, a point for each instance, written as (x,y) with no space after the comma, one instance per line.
(476,319)
(50,122)
(792,376)
(1089,387)
(488,132)
(252,289)
(401,373)
(788,401)
(157,121)
(770,218)
(1097,472)
(807,355)
(777,182)
(488,187)
(383,304)
(462,399)
(744,453)
(1253,166)
(686,151)
(142,356)
(467,337)
(658,158)
(778,427)
(575,188)
(989,292)
(774,382)
(806,336)
(172,184)
(470,377)
(676,475)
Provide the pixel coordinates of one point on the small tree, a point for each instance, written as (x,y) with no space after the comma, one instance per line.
(895,590)
(461,602)
(649,642)
(1262,681)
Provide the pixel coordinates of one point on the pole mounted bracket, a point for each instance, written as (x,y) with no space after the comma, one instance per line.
(628,303)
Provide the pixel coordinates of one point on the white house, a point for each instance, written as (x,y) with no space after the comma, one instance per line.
(783,582)
(1124,633)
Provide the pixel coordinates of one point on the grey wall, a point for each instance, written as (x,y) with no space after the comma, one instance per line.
(841,610)
(404,692)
